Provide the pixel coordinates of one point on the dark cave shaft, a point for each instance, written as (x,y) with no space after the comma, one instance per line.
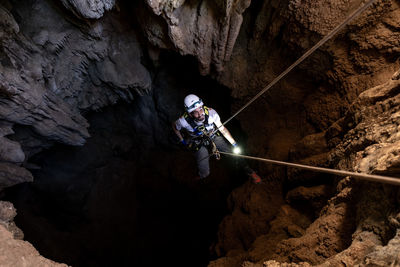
(129,191)
(111,74)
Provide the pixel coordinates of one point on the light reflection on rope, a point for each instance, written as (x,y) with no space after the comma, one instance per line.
(365,176)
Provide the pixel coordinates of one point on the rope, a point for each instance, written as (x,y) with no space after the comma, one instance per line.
(305,55)
(283,74)
(365,176)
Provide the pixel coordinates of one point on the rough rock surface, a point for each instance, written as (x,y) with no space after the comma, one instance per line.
(340,109)
(358,223)
(238,230)
(384,255)
(326,83)
(20,253)
(350,121)
(53,68)
(51,72)
(10,151)
(204,29)
(11,174)
(7,214)
(14,251)
(90,9)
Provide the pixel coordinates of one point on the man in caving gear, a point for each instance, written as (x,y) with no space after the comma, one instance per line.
(200,124)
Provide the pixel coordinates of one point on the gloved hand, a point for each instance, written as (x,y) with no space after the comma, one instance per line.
(198,133)
(184,143)
(236,148)
(188,146)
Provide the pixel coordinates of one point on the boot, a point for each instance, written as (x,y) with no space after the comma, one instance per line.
(255,178)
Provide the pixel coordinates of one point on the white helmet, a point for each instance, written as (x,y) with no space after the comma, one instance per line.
(192,102)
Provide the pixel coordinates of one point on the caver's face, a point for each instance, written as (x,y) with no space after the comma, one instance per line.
(198,114)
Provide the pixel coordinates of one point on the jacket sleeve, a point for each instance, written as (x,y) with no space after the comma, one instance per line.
(214,116)
(178,124)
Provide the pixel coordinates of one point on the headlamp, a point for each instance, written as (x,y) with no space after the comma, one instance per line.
(195,105)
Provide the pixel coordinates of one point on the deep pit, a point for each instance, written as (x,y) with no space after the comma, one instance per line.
(88,91)
(129,191)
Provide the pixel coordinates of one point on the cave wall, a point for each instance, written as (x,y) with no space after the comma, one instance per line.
(205,29)
(319,91)
(128,191)
(60,60)
(55,68)
(272,35)
(358,221)
(344,120)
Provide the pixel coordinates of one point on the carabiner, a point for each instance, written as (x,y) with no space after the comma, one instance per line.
(215,151)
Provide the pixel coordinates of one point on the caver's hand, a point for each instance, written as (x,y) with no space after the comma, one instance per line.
(236,148)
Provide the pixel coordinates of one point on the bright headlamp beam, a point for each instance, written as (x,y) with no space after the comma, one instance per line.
(236,150)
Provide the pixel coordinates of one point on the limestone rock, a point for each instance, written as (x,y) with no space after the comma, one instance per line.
(385,255)
(314,197)
(52,71)
(357,219)
(89,9)
(274,36)
(10,151)
(251,208)
(7,214)
(47,113)
(306,193)
(11,174)
(122,69)
(206,30)
(373,140)
(8,25)
(370,144)
(7,211)
(20,253)
(361,245)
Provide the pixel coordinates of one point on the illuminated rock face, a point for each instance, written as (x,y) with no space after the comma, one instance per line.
(357,221)
(348,120)
(63,60)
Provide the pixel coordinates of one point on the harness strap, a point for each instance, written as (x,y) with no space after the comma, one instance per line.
(193,124)
(203,139)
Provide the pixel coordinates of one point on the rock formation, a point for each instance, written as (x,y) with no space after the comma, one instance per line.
(361,136)
(89,9)
(60,72)
(61,60)
(14,251)
(205,29)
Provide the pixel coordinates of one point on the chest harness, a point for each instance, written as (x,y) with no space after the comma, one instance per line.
(199,129)
(202,137)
